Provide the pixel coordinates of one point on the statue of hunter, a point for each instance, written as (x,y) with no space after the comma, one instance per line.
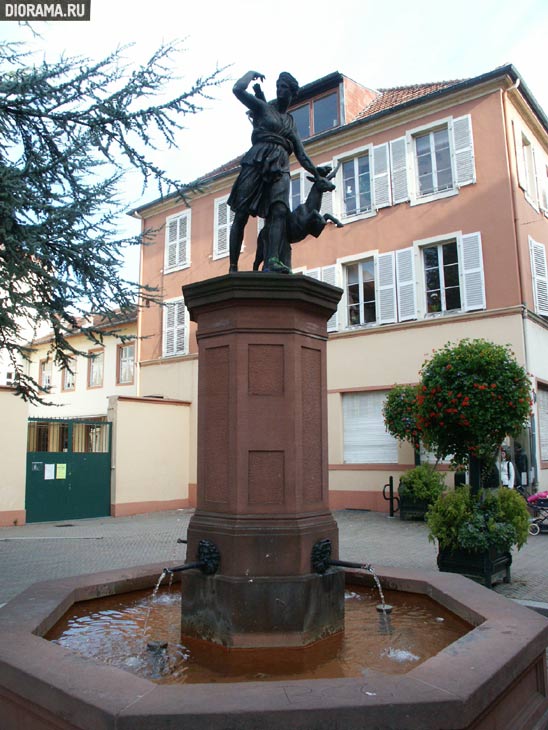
(262,187)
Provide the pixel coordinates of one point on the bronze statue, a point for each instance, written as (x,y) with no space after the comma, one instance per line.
(262,187)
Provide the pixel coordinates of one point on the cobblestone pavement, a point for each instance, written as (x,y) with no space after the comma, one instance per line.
(44,551)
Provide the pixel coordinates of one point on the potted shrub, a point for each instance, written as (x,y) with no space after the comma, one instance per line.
(418,489)
(400,416)
(470,397)
(476,532)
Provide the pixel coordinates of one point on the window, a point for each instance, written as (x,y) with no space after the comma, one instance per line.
(68,380)
(356,179)
(325,113)
(442,160)
(301,117)
(175,329)
(380,288)
(45,374)
(224,216)
(366,440)
(441,276)
(317,116)
(542,408)
(9,377)
(125,366)
(539,273)
(360,292)
(177,245)
(96,368)
(433,155)
(453,274)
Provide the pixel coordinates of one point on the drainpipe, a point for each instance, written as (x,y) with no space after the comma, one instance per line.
(521,273)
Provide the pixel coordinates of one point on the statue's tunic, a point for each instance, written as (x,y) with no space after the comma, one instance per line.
(264,176)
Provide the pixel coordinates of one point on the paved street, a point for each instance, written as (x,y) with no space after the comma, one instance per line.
(54,550)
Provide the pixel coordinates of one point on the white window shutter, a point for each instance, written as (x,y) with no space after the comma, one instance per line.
(330,276)
(182,244)
(177,246)
(465,169)
(171,244)
(169,330)
(223,220)
(314,274)
(405,277)
(471,263)
(520,161)
(327,198)
(543,189)
(381,177)
(385,281)
(180,327)
(306,185)
(175,328)
(398,170)
(539,273)
(365,438)
(542,410)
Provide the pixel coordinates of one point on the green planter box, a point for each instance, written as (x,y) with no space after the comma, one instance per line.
(486,565)
(412,509)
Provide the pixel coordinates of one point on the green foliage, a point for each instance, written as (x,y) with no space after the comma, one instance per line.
(423,483)
(68,133)
(471,396)
(400,413)
(461,520)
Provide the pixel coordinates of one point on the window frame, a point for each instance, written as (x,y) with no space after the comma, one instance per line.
(93,357)
(310,105)
(542,387)
(339,184)
(119,350)
(411,135)
(41,372)
(387,439)
(344,263)
(185,262)
(464,283)
(65,374)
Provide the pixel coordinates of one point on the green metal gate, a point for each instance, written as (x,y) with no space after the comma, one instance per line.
(68,469)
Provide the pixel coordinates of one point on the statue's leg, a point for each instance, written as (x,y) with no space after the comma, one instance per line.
(277,257)
(236,238)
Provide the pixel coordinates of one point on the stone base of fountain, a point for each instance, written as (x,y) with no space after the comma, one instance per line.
(262,611)
(493,677)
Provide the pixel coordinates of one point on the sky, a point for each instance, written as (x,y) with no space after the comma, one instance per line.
(379,44)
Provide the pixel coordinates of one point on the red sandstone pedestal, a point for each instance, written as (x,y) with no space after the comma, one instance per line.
(262,462)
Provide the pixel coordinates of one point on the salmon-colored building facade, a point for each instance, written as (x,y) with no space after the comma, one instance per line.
(443,192)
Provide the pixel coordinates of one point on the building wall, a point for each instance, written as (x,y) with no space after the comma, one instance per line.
(377,361)
(83,400)
(13,453)
(376,357)
(151,455)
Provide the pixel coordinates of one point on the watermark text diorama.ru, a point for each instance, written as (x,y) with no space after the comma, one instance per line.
(45,10)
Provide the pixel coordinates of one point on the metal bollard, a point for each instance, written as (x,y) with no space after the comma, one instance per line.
(394,501)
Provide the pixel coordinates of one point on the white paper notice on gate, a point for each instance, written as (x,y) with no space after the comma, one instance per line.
(49,471)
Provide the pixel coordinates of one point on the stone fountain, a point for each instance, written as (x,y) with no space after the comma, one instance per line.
(262,503)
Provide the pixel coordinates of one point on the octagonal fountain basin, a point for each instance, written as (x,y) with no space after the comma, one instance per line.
(491,678)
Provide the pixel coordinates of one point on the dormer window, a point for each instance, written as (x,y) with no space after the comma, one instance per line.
(317,115)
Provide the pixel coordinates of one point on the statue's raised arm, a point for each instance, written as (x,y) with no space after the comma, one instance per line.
(241,92)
